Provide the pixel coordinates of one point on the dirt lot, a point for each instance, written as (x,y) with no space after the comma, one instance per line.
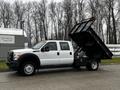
(106,78)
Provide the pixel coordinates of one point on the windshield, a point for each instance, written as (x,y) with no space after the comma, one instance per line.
(39,45)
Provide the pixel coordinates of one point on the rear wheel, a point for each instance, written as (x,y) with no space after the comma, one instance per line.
(27,68)
(93,66)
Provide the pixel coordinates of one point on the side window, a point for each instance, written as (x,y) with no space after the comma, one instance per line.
(64,46)
(52,46)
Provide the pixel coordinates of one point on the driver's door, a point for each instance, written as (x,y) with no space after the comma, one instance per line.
(49,57)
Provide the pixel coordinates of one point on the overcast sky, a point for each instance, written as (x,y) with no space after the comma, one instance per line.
(31,0)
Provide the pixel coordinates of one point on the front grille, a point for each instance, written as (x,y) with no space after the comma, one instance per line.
(10,56)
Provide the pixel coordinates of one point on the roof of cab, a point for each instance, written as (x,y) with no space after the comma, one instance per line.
(57,41)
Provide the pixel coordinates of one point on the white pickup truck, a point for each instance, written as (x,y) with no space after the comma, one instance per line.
(59,53)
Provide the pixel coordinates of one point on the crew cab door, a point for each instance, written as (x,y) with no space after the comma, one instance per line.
(50,55)
(66,55)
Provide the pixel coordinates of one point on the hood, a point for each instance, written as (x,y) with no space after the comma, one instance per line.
(27,50)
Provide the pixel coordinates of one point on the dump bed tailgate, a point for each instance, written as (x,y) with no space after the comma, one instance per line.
(86,38)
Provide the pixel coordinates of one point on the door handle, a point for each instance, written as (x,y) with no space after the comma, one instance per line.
(58,53)
(70,53)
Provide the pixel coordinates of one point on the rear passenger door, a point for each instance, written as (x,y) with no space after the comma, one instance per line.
(66,53)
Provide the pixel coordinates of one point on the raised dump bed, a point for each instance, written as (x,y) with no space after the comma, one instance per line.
(86,38)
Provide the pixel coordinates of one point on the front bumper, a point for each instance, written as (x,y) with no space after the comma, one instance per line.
(13,65)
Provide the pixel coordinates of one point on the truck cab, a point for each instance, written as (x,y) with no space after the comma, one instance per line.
(54,52)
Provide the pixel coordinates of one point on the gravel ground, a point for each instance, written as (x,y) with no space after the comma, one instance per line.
(106,78)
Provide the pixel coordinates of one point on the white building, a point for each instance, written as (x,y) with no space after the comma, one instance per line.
(11,38)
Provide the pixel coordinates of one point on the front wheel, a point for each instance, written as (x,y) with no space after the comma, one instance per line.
(27,68)
(93,65)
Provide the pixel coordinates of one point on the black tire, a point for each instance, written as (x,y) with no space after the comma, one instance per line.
(92,66)
(27,69)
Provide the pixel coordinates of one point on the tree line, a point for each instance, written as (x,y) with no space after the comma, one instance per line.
(42,20)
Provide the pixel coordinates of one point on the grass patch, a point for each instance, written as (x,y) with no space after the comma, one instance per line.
(3,66)
(111,61)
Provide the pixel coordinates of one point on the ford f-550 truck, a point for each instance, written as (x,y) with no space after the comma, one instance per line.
(59,53)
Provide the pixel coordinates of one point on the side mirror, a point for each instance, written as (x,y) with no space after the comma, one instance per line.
(45,49)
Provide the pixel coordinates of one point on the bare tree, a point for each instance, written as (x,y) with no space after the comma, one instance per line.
(60,20)
(118,20)
(111,22)
(35,21)
(68,13)
(19,10)
(28,21)
(96,10)
(53,16)
(42,11)
(6,14)
(40,18)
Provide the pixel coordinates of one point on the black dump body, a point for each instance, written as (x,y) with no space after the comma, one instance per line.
(86,38)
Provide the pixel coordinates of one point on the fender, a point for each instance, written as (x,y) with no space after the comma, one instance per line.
(29,57)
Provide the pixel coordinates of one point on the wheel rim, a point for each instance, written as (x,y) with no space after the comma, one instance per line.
(94,65)
(28,69)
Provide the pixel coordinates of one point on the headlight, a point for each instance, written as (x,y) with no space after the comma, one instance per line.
(16,56)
